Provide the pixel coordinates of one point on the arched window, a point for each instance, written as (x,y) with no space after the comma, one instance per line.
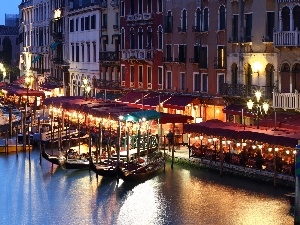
(296,17)
(222,18)
(160,37)
(205,20)
(122,38)
(183,20)
(149,38)
(140,38)
(132,44)
(197,20)
(285,15)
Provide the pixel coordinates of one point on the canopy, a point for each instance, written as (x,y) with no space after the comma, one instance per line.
(283,137)
(178,102)
(147,114)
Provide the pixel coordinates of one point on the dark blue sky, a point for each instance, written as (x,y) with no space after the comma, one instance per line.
(8,7)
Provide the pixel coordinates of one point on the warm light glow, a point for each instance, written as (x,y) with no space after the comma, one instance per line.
(276,149)
(238,144)
(250,104)
(201,137)
(189,135)
(85,81)
(214,139)
(88,89)
(244,144)
(266,107)
(223,142)
(294,151)
(287,151)
(228,142)
(121,118)
(254,146)
(258,95)
(209,139)
(196,138)
(256,67)
(270,149)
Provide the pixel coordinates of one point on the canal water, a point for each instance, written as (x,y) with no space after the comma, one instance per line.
(33,193)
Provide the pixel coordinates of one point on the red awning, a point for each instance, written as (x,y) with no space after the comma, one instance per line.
(152,101)
(178,102)
(174,118)
(239,110)
(132,97)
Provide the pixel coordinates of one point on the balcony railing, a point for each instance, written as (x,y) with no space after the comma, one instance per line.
(244,91)
(138,54)
(287,38)
(109,56)
(286,100)
(107,84)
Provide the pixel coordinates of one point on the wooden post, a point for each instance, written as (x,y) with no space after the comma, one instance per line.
(165,150)
(10,121)
(221,157)
(6,142)
(24,132)
(78,136)
(17,140)
(40,143)
(173,147)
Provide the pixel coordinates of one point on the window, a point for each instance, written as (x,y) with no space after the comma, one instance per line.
(94,52)
(197,82)
(140,73)
(182,53)
(270,26)
(149,73)
(77,24)
(87,23)
(132,43)
(222,18)
(88,52)
(169,80)
(159,5)
(203,57)
(205,20)
(149,38)
(204,82)
(197,26)
(140,38)
(149,6)
(182,81)
(131,7)
(123,38)
(160,37)
(82,23)
(93,22)
(220,84)
(123,73)
(285,15)
(73,52)
(169,53)
(235,28)
(221,57)
(248,28)
(72,25)
(168,22)
(122,8)
(82,52)
(160,77)
(132,74)
(104,21)
(77,53)
(117,19)
(183,21)
(140,7)
(296,17)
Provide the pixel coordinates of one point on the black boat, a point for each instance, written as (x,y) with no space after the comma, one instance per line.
(107,168)
(142,171)
(291,197)
(54,159)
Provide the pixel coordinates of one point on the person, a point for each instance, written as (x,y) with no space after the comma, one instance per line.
(170,137)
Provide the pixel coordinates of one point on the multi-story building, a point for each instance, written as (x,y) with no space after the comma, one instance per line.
(194,51)
(88,33)
(252,61)
(35,41)
(109,48)
(141,30)
(286,42)
(12,20)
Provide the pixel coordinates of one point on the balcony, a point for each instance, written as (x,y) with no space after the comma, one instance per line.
(130,18)
(138,16)
(287,38)
(286,100)
(109,56)
(244,91)
(147,16)
(107,84)
(138,54)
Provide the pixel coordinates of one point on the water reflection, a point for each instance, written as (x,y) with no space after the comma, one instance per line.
(31,193)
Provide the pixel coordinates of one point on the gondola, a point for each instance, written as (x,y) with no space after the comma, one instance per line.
(108,168)
(54,159)
(142,171)
(291,197)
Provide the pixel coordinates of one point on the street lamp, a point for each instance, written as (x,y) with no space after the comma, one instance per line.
(3,70)
(258,107)
(86,86)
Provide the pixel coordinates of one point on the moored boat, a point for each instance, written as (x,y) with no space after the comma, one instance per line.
(54,159)
(137,171)
(108,168)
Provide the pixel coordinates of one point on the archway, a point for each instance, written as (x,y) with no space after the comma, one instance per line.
(285,78)
(270,81)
